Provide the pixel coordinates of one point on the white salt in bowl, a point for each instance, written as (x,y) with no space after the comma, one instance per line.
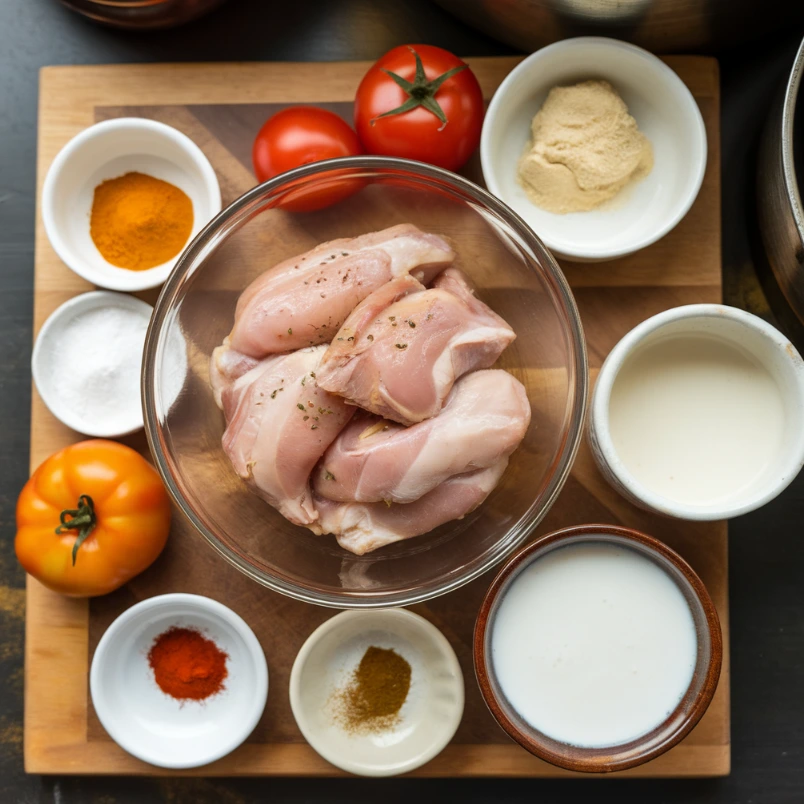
(108,150)
(125,416)
(666,113)
(429,717)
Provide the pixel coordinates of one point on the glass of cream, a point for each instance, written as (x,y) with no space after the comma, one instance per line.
(597,648)
(698,413)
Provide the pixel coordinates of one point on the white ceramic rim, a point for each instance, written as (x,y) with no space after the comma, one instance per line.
(52,327)
(117,731)
(658,66)
(139,280)
(601,397)
(342,761)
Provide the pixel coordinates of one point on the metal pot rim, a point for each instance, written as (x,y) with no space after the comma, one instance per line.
(788,119)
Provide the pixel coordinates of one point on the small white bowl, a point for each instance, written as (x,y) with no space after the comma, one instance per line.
(108,150)
(750,335)
(430,715)
(48,376)
(151,725)
(666,113)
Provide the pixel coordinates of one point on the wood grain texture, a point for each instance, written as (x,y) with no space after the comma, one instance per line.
(219,106)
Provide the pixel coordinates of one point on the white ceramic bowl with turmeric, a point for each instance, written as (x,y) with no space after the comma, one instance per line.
(109,150)
(665,112)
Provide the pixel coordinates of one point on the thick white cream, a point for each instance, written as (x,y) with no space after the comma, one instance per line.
(593,644)
(694,419)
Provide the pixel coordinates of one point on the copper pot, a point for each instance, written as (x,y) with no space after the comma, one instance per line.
(142,14)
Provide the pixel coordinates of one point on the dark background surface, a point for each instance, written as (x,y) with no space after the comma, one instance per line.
(767,552)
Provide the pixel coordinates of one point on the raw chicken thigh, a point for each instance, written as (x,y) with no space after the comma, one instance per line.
(363,527)
(402,348)
(304,300)
(279,425)
(374,460)
(225,366)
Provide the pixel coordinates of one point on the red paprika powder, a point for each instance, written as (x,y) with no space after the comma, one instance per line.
(187,665)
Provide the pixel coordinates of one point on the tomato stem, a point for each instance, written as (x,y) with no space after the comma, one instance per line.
(420,91)
(83,519)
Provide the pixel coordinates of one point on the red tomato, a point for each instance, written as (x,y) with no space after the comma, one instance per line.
(298,136)
(420,102)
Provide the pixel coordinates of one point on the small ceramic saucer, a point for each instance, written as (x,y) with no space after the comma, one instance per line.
(159,729)
(429,716)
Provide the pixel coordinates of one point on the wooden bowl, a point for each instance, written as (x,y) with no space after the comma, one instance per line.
(678,724)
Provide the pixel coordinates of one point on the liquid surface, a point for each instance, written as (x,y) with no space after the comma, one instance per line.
(695,420)
(594,645)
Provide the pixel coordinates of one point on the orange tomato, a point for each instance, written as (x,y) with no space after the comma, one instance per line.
(90,518)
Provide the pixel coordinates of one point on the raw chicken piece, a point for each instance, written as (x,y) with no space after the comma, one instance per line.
(403,347)
(363,527)
(375,460)
(225,366)
(279,424)
(304,300)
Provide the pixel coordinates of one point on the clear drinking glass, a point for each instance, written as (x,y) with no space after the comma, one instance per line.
(514,274)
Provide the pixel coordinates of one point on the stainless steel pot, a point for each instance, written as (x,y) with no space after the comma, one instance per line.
(779,208)
(663,26)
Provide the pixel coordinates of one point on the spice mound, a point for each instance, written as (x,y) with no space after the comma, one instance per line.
(372,697)
(187,666)
(138,222)
(584,149)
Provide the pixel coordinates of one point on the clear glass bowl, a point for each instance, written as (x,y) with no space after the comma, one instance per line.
(515,275)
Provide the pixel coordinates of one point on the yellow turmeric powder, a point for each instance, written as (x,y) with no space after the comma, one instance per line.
(139,222)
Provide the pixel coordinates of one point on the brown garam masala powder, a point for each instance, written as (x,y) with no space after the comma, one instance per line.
(371,699)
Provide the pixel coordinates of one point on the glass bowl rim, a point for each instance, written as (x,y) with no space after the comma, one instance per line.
(228,220)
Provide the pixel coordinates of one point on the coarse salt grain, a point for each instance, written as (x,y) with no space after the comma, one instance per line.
(95,366)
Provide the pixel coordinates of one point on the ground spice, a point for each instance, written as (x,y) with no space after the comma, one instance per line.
(376,691)
(139,222)
(584,149)
(187,666)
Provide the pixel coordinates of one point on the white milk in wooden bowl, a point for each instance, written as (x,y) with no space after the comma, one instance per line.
(594,645)
(699,413)
(599,648)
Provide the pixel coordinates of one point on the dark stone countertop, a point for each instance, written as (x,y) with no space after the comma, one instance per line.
(767,553)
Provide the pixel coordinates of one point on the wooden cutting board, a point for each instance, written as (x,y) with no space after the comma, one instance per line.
(220,106)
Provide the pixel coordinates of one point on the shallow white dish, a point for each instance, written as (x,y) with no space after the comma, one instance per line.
(108,150)
(666,113)
(749,334)
(150,724)
(46,375)
(430,715)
